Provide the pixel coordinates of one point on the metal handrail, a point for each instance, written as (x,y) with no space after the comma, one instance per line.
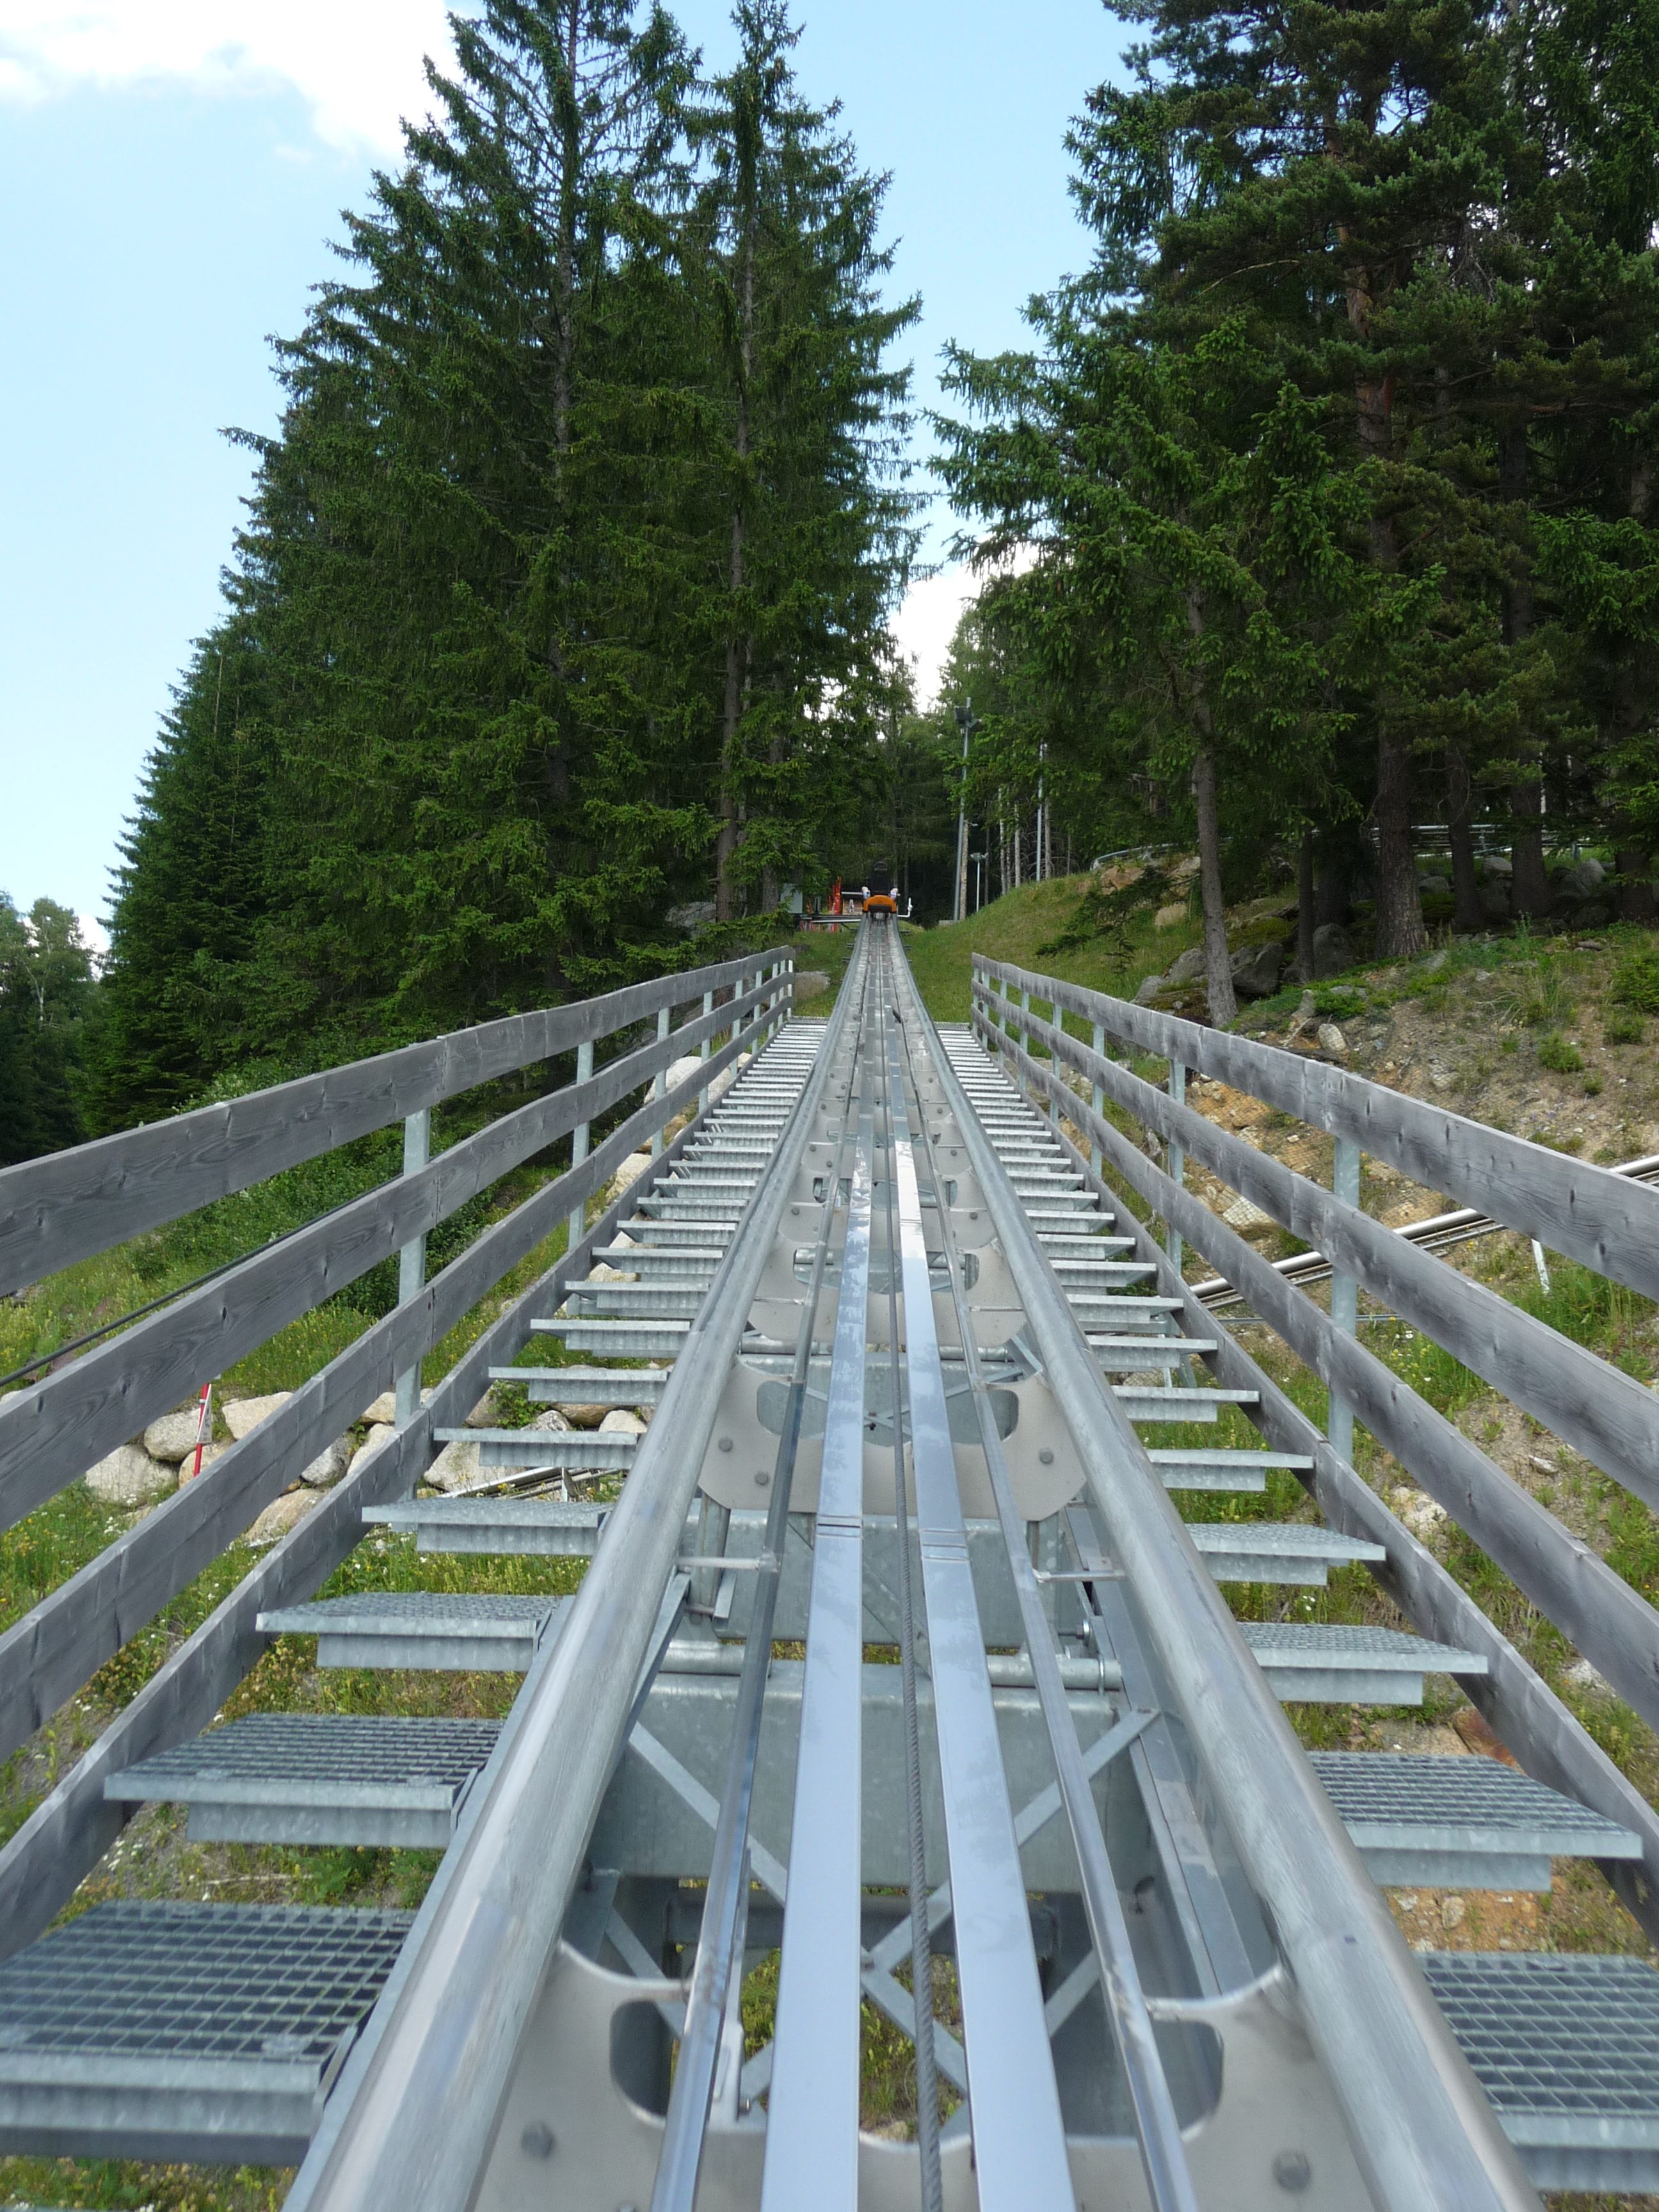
(1383,2042)
(413,2118)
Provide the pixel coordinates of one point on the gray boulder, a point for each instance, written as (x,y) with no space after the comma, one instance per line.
(1434,886)
(129,1477)
(325,1470)
(696,914)
(172,1436)
(1495,900)
(1188,968)
(1582,880)
(1333,949)
(1147,989)
(1497,864)
(1255,970)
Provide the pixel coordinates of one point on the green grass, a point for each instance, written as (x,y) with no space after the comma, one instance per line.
(1013,927)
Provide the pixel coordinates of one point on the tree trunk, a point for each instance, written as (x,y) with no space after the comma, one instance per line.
(1400,930)
(1333,899)
(1218,967)
(1633,877)
(737,644)
(1529,890)
(1468,918)
(1304,908)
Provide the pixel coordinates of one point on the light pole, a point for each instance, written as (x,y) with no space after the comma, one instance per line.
(979,881)
(967,725)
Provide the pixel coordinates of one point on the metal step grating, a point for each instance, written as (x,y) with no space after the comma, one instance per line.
(458,1630)
(1567,2049)
(1461,1822)
(1311,1662)
(543,1527)
(172,2031)
(1276,1551)
(318,1778)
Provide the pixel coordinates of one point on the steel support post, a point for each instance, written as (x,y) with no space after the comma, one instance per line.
(659,1087)
(1345,1297)
(411,1260)
(578,1227)
(1097,1096)
(703,1051)
(1177,1159)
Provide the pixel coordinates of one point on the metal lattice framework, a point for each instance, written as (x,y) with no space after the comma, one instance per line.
(891,1658)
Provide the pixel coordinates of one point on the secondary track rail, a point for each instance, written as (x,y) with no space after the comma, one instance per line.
(894,1660)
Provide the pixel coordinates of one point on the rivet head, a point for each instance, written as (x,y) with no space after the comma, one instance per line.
(724,1444)
(1045,1457)
(537,2141)
(1292,2171)
(762,1481)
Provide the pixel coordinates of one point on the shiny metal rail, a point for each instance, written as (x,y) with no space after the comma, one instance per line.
(890,1656)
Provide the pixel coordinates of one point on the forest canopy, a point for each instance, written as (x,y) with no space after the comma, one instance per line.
(562,600)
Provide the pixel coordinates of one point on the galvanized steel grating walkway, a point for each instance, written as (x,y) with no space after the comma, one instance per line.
(179,1981)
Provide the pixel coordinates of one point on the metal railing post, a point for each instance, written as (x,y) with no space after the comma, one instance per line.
(659,1084)
(703,1051)
(577,1228)
(1178,1161)
(1345,1297)
(1097,1096)
(411,1260)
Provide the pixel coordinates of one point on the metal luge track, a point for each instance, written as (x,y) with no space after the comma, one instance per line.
(895,1685)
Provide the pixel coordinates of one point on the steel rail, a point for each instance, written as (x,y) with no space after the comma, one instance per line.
(721,1936)
(1019,2139)
(811,2158)
(414,2117)
(1421,2128)
(1546,1739)
(1169,2180)
(1436,1234)
(921,1946)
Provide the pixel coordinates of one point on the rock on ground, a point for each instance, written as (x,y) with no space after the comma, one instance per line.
(244,1415)
(1255,970)
(1169,917)
(173,1436)
(1332,949)
(1147,989)
(129,1476)
(283,1514)
(457,1466)
(635,1165)
(681,1070)
(1331,1038)
(380,1433)
(1188,967)
(620,1421)
(551,1421)
(325,1470)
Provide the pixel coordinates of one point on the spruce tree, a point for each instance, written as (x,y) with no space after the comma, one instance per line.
(811,518)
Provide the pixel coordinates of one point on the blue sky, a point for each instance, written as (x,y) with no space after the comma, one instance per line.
(173,176)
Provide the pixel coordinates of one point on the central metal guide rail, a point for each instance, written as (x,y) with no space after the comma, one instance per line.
(894,1687)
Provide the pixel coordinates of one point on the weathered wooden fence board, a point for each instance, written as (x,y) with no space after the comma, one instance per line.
(1614,1627)
(70,1204)
(1599,1410)
(1605,1221)
(51,1432)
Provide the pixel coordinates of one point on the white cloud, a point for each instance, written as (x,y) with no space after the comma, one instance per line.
(926,622)
(356,64)
(928,614)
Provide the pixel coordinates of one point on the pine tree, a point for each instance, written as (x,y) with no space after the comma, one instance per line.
(811,518)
